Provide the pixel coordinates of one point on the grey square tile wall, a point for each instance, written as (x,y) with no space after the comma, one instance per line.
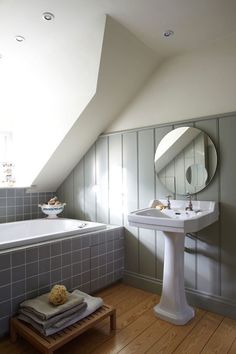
(89,262)
(17,205)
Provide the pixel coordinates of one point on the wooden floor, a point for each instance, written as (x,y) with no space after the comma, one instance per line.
(139,331)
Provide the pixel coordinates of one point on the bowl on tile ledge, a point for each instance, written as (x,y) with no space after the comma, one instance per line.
(52,210)
(175,223)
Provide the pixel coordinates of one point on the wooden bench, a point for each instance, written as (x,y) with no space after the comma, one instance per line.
(48,344)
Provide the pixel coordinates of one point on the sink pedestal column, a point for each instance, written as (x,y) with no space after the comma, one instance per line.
(173,306)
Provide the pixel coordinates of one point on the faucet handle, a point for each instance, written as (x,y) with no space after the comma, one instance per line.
(168,200)
(190,206)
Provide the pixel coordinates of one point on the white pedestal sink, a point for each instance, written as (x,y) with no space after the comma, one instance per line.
(175,223)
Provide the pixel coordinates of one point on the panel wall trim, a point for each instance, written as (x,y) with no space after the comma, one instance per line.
(167,124)
(224,307)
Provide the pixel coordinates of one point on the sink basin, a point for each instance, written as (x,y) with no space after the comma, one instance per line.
(175,223)
(177,219)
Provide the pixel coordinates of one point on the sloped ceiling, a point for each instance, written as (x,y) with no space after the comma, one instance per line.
(125,64)
(44,87)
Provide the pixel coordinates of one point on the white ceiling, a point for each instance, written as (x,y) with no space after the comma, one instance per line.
(195,22)
(46,81)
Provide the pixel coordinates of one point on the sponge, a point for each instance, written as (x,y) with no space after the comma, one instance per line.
(58,295)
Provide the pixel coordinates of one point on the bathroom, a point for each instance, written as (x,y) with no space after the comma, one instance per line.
(102,164)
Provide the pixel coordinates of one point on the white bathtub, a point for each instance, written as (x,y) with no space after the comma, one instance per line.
(20,233)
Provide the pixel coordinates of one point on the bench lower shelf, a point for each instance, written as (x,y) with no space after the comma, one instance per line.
(48,344)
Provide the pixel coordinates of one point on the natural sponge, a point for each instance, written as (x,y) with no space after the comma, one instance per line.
(58,295)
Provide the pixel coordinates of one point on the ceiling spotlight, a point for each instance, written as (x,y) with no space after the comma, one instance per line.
(48,16)
(168,33)
(19,38)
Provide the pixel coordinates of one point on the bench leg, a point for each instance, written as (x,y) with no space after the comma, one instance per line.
(113,321)
(48,351)
(13,334)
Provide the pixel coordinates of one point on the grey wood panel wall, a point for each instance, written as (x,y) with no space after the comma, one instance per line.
(146,179)
(227,129)
(208,240)
(130,189)
(160,192)
(79,193)
(101,188)
(117,176)
(90,185)
(115,180)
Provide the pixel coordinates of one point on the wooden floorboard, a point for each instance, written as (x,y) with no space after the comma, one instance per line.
(199,336)
(223,338)
(175,335)
(139,331)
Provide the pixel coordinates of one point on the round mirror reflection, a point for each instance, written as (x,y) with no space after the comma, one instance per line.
(185,160)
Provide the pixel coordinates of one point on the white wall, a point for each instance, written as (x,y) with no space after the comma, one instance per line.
(125,64)
(187,86)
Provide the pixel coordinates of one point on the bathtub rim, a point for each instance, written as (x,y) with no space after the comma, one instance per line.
(41,240)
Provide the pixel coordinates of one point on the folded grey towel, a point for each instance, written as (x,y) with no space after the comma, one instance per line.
(93,303)
(55,319)
(41,307)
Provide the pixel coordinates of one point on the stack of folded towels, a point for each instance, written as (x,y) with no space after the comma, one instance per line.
(49,318)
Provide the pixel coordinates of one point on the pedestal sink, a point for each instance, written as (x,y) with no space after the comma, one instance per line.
(175,223)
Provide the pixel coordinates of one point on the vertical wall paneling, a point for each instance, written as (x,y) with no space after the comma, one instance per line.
(227,129)
(146,193)
(117,176)
(130,199)
(190,257)
(102,179)
(69,196)
(161,192)
(79,190)
(208,240)
(115,180)
(90,187)
(60,193)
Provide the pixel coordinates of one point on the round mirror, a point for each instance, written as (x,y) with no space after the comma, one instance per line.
(185,160)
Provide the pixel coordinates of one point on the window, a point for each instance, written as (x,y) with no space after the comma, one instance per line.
(7,178)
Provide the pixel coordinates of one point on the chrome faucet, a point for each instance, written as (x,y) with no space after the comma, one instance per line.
(168,201)
(190,205)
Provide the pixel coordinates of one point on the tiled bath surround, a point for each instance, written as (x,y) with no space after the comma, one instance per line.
(89,262)
(17,205)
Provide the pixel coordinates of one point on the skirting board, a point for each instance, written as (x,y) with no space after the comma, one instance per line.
(195,298)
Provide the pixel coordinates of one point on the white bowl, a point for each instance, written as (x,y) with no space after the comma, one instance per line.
(52,210)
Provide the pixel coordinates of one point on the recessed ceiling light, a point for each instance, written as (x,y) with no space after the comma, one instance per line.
(48,16)
(19,38)
(168,33)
